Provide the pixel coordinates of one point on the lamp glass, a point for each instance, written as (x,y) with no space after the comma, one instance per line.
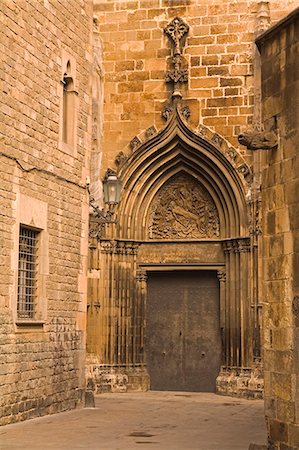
(112,188)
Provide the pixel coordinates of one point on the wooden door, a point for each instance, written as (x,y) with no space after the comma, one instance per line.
(183,343)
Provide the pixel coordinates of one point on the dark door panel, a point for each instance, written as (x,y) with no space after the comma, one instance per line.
(183,346)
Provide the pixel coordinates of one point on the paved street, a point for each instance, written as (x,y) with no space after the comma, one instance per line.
(152,421)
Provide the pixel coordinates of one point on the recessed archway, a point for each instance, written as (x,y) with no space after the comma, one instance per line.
(201,191)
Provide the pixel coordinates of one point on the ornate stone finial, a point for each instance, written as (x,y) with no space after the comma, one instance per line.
(176,30)
(258,140)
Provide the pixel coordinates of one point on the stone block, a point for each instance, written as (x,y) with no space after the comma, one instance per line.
(279,431)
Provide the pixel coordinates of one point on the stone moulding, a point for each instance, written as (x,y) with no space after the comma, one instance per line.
(186,150)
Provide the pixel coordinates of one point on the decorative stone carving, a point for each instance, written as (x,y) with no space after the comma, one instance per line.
(263,16)
(141,275)
(176,75)
(120,159)
(119,247)
(183,209)
(135,142)
(166,112)
(150,131)
(232,154)
(255,222)
(221,275)
(238,245)
(245,171)
(176,30)
(185,111)
(258,140)
(295,306)
(217,139)
(202,130)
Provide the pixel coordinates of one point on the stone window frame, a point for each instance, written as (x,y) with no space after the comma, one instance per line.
(68,115)
(32,214)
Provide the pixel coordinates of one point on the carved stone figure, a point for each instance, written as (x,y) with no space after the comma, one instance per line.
(258,140)
(120,159)
(183,209)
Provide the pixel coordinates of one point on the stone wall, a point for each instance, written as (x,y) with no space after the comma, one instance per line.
(219,54)
(43,184)
(280,93)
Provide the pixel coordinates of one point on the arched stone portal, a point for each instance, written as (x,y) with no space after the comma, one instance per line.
(184,207)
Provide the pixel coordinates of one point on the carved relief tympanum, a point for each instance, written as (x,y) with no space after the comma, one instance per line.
(183,209)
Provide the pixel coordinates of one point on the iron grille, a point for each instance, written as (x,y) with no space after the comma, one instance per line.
(27,273)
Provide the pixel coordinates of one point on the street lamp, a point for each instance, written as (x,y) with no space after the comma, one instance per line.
(111,188)
(101,217)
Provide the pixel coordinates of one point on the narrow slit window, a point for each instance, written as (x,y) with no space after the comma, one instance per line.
(27,273)
(68,108)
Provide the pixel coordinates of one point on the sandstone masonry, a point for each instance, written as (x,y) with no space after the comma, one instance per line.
(42,185)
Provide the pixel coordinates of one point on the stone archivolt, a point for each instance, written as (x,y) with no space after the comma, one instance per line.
(183,209)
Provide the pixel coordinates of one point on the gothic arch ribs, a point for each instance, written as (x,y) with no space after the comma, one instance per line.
(183,204)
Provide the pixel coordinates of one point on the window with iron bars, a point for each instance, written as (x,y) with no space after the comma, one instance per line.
(27,273)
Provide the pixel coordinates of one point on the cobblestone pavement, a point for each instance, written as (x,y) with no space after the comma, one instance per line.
(145,421)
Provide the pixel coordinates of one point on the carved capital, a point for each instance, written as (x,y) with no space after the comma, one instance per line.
(119,247)
(108,247)
(258,140)
(141,275)
(221,275)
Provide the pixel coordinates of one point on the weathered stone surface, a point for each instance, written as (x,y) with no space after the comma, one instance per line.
(280,256)
(257,140)
(42,185)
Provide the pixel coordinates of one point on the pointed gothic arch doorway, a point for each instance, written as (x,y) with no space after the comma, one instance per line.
(183,205)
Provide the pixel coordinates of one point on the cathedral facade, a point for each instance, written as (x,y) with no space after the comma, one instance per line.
(149,203)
